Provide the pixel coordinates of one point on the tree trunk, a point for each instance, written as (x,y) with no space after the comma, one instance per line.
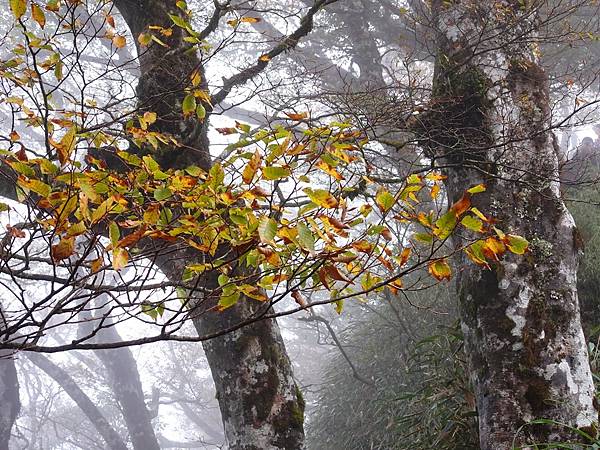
(91,411)
(126,385)
(260,404)
(10,404)
(489,123)
(9,398)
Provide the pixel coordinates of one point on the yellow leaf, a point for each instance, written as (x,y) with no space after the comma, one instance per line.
(435,190)
(119,41)
(18,7)
(321,197)
(38,15)
(66,145)
(149,117)
(196,78)
(120,258)
(440,269)
(97,265)
(264,58)
(252,167)
(250,19)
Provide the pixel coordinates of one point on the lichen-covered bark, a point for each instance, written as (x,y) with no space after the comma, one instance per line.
(521,321)
(255,388)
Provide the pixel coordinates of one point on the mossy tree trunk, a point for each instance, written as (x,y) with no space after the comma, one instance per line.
(259,402)
(489,124)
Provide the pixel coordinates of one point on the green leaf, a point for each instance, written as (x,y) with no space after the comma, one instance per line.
(476,189)
(445,225)
(4,207)
(267,229)
(150,164)
(516,244)
(200,111)
(178,21)
(217,175)
(305,237)
(18,8)
(162,194)
(384,199)
(275,173)
(114,233)
(424,238)
(228,298)
(472,223)
(189,105)
(339,306)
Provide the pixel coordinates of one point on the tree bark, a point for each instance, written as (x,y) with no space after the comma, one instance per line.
(489,124)
(94,415)
(9,398)
(259,401)
(126,385)
(10,404)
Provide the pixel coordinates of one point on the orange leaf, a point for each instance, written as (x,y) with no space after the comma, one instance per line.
(119,41)
(299,298)
(15,232)
(252,167)
(363,246)
(97,265)
(297,116)
(63,250)
(461,206)
(335,274)
(132,238)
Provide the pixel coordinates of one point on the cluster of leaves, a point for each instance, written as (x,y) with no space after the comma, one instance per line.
(251,204)
(280,204)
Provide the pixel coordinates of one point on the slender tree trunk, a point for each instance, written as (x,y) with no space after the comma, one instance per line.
(9,398)
(94,415)
(489,123)
(10,404)
(260,404)
(126,385)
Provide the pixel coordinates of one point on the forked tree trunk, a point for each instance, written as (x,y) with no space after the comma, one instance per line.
(489,123)
(260,405)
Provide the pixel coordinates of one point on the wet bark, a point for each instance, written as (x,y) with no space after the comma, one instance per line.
(103,427)
(259,402)
(10,404)
(489,123)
